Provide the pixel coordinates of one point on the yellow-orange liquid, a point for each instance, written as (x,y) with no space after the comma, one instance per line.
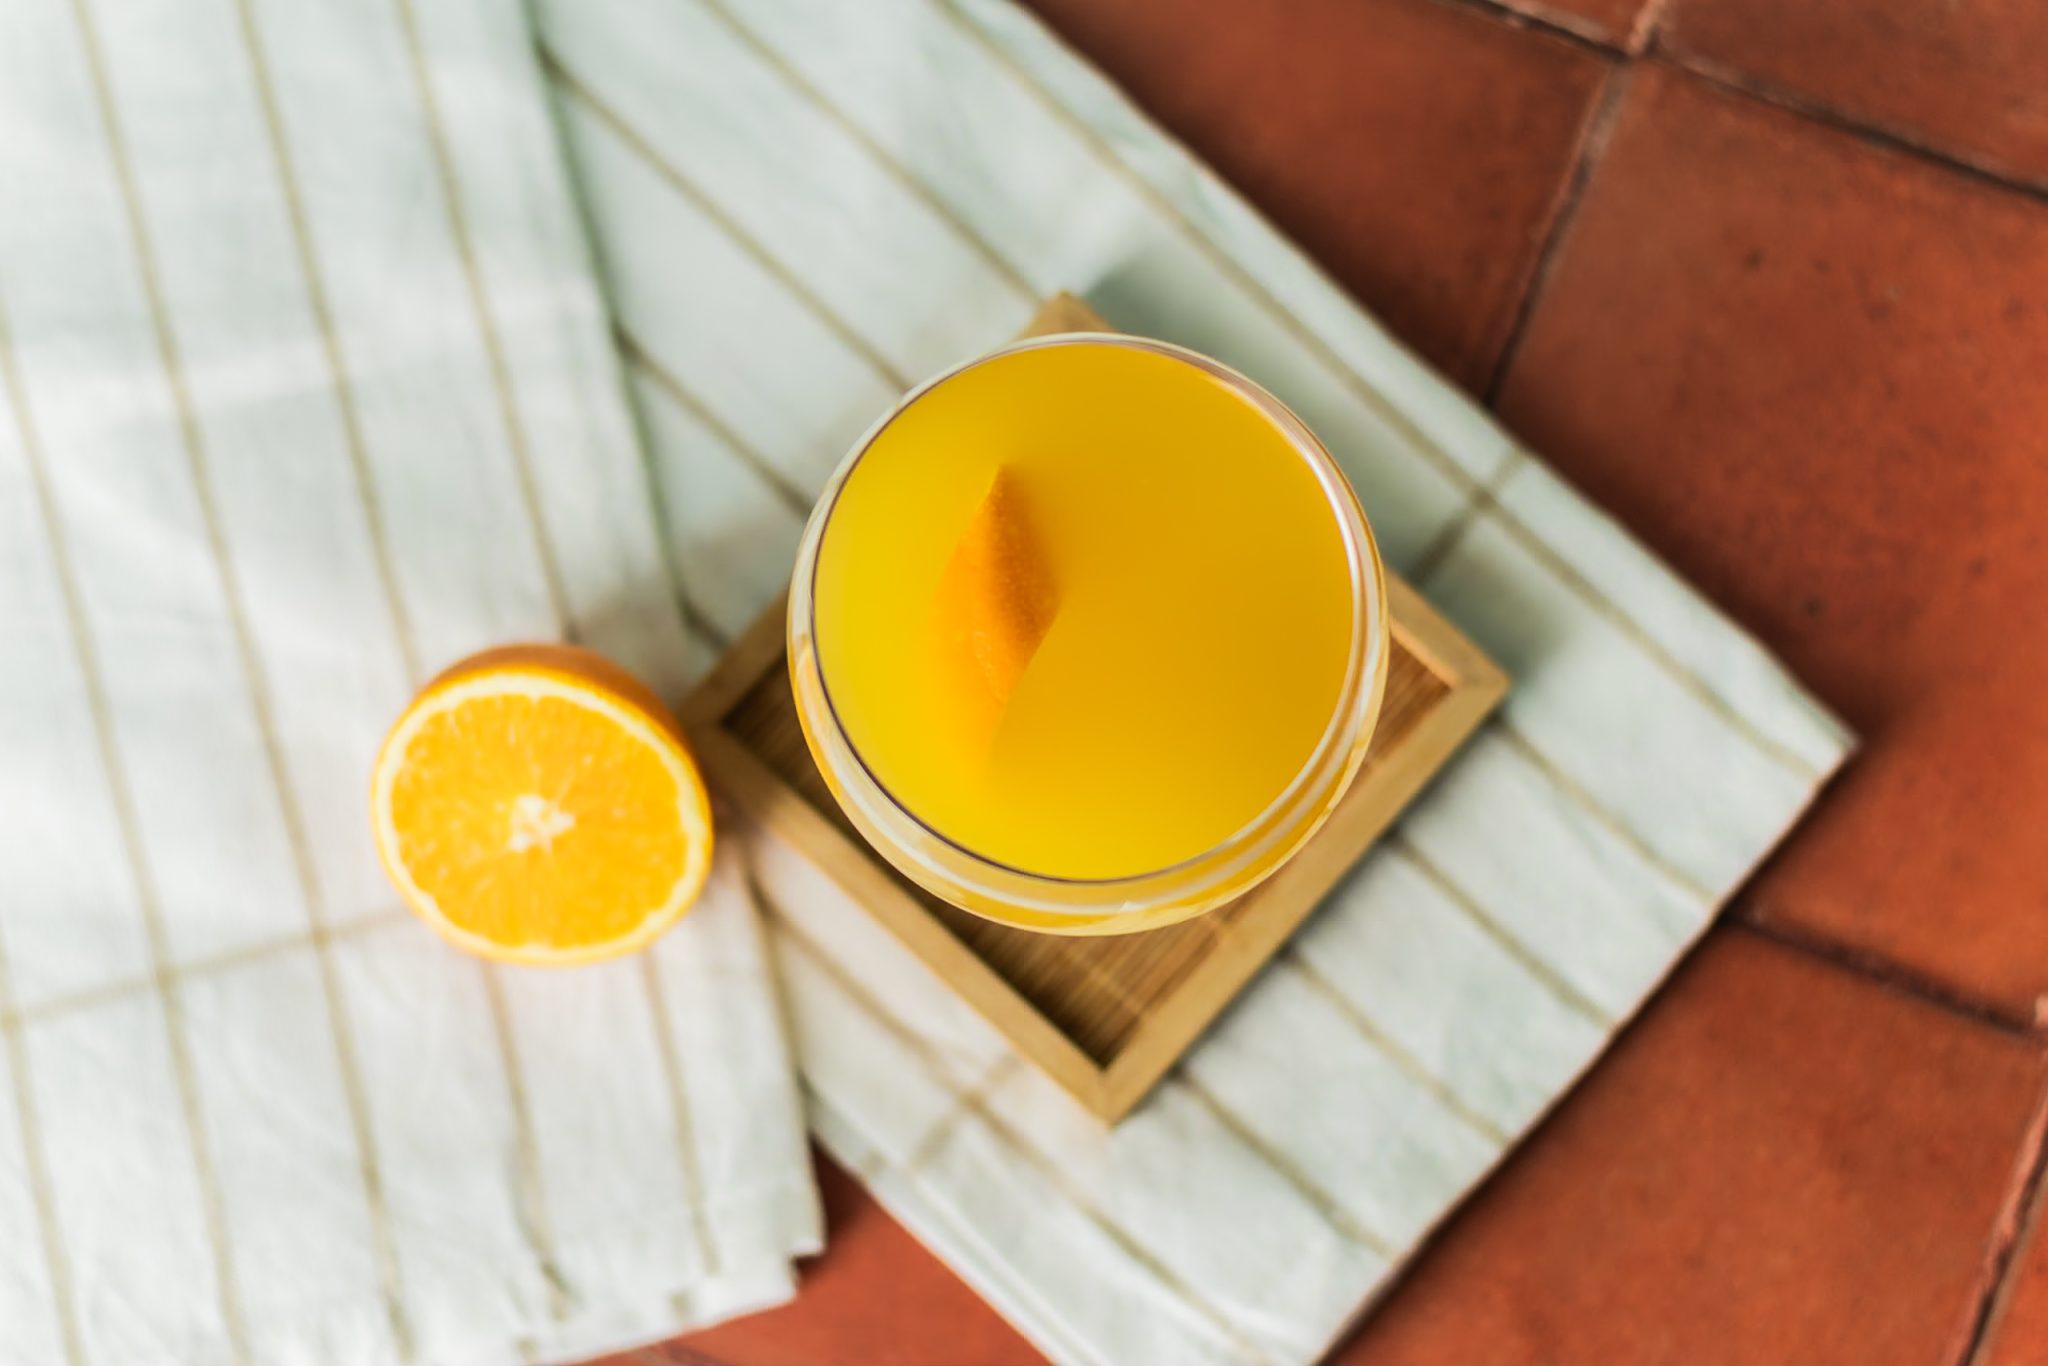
(1083,610)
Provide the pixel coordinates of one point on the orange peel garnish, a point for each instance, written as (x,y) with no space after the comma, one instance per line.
(996,601)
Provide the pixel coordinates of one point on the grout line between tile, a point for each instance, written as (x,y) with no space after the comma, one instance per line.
(1541,19)
(1731,81)
(674,1354)
(1886,972)
(1594,135)
(1646,40)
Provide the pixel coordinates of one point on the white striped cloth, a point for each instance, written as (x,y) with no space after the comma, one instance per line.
(305,390)
(803,205)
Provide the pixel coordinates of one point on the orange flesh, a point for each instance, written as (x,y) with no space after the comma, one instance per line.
(536,808)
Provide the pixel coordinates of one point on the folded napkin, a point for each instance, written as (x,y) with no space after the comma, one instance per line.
(305,390)
(801,206)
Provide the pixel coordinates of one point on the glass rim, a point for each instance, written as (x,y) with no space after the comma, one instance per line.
(1352,715)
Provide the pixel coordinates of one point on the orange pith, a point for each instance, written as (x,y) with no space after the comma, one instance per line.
(536,805)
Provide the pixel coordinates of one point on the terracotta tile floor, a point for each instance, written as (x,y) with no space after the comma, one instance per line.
(1969,78)
(1459,134)
(1813,373)
(1770,281)
(1718,1193)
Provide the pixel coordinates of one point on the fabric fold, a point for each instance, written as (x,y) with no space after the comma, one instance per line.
(306,389)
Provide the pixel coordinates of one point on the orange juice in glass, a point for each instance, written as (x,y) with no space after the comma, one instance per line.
(1089,635)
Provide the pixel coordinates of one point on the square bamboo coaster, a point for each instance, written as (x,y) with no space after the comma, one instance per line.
(1105,1017)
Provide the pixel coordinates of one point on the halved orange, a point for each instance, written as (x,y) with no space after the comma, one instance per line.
(536,804)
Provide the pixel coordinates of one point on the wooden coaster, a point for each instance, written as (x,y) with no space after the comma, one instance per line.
(1105,1017)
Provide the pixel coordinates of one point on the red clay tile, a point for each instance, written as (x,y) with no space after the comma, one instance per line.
(1969,78)
(1810,372)
(1416,149)
(1782,1162)
(876,1298)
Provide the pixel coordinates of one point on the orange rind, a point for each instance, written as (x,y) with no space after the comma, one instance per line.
(996,600)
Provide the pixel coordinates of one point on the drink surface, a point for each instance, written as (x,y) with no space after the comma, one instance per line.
(1083,610)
